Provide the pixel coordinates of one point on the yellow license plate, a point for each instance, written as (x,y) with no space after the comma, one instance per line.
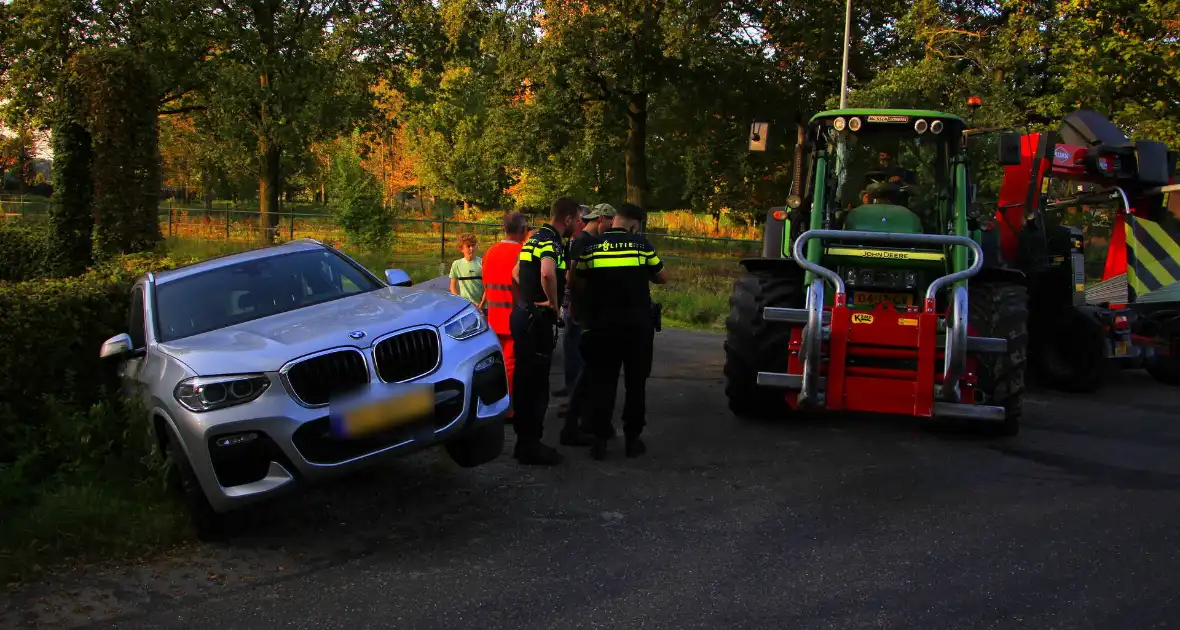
(867,298)
(411,404)
(1122,348)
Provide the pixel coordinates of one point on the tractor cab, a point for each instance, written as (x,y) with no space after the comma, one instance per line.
(887,171)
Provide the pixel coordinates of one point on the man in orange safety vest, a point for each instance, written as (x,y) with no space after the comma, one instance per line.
(499,292)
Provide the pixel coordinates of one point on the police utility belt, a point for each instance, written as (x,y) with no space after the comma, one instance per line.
(541,321)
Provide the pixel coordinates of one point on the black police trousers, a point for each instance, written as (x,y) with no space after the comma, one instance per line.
(533,338)
(605,351)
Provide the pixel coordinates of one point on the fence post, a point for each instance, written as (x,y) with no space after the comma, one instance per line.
(291,227)
(170,213)
(442,250)
(228,218)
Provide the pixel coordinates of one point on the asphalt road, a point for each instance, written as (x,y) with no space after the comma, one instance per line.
(828,522)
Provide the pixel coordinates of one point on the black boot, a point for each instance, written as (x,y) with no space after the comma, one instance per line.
(536,454)
(635,447)
(598,449)
(575,438)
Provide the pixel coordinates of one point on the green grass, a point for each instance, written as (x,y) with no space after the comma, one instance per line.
(85,519)
(697,294)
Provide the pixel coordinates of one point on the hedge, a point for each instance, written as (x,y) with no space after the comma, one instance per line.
(24,253)
(59,406)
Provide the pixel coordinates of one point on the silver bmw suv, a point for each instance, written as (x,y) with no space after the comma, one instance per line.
(292,363)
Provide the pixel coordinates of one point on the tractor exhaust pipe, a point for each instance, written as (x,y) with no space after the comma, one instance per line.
(797,175)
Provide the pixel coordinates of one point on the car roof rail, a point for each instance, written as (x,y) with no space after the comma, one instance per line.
(306,239)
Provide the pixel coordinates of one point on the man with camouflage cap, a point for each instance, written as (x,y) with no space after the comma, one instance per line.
(596,219)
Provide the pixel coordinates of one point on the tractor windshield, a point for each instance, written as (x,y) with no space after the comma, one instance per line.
(891,165)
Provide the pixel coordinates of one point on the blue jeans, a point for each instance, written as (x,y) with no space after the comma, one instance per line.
(573,355)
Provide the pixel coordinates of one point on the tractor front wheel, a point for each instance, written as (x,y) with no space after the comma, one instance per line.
(1000,309)
(754,345)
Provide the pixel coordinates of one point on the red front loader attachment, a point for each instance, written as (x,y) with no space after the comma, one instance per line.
(838,352)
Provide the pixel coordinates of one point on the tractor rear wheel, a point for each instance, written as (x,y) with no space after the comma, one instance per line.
(1000,309)
(754,345)
(1165,369)
(1069,355)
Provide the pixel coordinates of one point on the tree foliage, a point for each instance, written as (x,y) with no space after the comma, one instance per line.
(70,219)
(498,104)
(122,101)
(355,195)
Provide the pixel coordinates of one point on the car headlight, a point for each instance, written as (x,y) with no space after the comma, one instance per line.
(465,325)
(206,393)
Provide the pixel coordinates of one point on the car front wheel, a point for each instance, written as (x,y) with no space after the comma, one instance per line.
(478,445)
(208,523)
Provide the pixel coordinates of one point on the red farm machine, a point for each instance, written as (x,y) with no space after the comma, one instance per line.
(935,307)
(1077,333)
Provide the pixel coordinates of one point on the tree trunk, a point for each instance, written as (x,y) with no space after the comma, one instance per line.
(206,189)
(636,160)
(268,189)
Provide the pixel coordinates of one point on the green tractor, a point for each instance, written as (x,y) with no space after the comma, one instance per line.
(921,318)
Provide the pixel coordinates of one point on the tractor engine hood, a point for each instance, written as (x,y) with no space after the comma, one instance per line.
(883,217)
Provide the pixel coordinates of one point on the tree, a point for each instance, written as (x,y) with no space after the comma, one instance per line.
(50,82)
(387,144)
(16,155)
(356,195)
(71,222)
(121,110)
(623,65)
(287,73)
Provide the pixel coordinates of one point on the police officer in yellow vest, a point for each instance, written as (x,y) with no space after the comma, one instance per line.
(612,276)
(540,274)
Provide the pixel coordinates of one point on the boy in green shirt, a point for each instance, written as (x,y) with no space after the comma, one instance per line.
(467,272)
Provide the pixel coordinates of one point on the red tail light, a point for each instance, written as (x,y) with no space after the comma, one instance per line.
(1121,323)
(780,215)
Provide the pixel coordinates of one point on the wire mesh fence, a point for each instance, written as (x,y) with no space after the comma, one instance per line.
(414,241)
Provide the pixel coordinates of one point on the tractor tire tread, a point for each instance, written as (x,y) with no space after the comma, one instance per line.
(754,345)
(1164,370)
(1000,309)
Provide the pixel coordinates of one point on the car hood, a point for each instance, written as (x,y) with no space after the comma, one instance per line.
(265,344)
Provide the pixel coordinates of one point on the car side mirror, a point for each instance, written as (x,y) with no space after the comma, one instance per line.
(1009,149)
(398,278)
(117,347)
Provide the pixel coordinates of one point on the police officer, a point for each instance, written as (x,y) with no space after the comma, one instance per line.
(614,272)
(540,275)
(596,220)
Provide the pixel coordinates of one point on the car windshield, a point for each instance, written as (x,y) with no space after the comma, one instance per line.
(892,165)
(253,289)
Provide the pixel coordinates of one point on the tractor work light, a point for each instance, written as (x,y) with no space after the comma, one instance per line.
(936,126)
(920,126)
(838,124)
(854,123)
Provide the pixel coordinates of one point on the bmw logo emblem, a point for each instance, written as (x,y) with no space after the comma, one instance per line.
(357,334)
